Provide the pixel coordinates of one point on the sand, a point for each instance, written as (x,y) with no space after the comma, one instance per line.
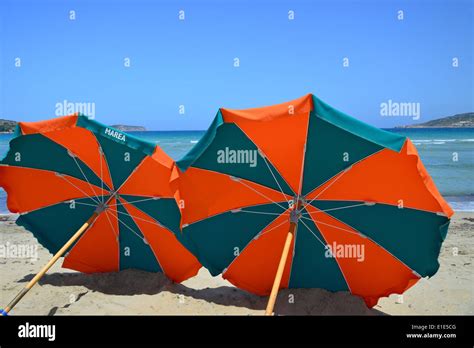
(63,292)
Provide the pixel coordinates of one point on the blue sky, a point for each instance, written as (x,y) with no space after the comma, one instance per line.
(191,62)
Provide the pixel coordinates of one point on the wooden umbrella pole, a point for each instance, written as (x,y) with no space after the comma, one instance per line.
(294,216)
(61,251)
(281,268)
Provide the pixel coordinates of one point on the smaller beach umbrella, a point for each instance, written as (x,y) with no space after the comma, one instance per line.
(300,195)
(100,197)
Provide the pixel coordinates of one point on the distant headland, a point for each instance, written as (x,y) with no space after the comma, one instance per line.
(8,126)
(126,128)
(465,120)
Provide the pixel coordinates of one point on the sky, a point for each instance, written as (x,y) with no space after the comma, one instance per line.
(354,55)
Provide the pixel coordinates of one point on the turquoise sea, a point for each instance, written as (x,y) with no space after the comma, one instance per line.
(455,179)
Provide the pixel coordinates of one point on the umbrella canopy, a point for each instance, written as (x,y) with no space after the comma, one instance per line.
(367,217)
(59,173)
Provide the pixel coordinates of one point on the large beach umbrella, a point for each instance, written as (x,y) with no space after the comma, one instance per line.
(300,195)
(101,197)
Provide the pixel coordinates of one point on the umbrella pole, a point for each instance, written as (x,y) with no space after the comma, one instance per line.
(281,268)
(41,273)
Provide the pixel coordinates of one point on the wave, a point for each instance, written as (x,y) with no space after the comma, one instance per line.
(462,206)
(194,141)
(442,140)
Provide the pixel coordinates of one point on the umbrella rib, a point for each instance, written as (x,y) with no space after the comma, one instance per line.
(274,177)
(261,152)
(134,232)
(332,183)
(80,203)
(300,188)
(101,174)
(133,202)
(261,194)
(127,214)
(309,229)
(69,200)
(144,238)
(150,221)
(117,238)
(64,177)
(371,203)
(341,172)
(132,172)
(334,226)
(227,211)
(138,218)
(360,234)
(110,223)
(261,212)
(327,246)
(157,223)
(331,209)
(101,151)
(271,229)
(258,235)
(84,175)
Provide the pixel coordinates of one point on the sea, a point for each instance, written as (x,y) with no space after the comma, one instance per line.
(447,153)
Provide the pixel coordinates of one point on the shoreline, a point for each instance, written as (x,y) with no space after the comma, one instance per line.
(4,217)
(429,127)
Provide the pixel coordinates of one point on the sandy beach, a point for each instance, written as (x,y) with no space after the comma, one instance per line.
(131,292)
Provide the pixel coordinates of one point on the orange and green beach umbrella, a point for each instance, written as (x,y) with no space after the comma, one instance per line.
(101,197)
(300,195)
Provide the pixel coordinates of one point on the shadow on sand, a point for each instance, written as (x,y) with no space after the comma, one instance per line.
(136,282)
